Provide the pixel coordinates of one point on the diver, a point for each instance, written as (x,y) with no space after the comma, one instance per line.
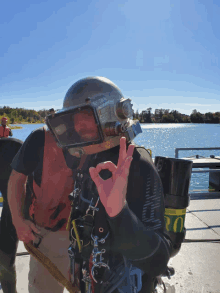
(118,240)
(5,131)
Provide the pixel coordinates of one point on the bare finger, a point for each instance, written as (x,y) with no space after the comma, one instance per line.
(122,151)
(27,237)
(33,237)
(27,240)
(130,151)
(124,169)
(95,176)
(34,228)
(106,165)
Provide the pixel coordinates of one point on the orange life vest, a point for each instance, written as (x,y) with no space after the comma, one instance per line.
(4,131)
(56,184)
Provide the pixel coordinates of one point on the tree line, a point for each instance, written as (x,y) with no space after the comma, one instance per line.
(173,116)
(21,115)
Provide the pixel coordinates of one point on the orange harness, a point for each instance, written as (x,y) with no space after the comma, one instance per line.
(4,131)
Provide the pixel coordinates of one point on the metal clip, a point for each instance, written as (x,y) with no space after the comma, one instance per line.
(72,262)
(76,192)
(94,209)
(96,253)
(102,240)
(86,278)
(38,239)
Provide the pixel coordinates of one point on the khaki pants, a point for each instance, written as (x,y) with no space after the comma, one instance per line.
(54,245)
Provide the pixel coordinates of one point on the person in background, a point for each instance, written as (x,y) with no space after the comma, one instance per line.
(43,220)
(8,237)
(5,131)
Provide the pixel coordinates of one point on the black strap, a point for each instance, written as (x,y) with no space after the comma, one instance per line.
(101,226)
(85,183)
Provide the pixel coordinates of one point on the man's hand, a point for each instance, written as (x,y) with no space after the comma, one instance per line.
(113,191)
(25,229)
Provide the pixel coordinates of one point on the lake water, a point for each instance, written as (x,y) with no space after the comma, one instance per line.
(162,139)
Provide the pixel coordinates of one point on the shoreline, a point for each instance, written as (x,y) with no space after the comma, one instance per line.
(19,125)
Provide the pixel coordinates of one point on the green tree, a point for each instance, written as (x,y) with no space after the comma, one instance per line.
(197,117)
(168,118)
(177,116)
(146,116)
(136,115)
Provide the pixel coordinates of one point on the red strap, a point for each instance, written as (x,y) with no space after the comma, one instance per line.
(90,274)
(82,161)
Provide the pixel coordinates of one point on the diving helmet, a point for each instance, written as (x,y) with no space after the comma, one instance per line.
(111,112)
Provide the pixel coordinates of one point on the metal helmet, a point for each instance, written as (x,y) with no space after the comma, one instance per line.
(112,115)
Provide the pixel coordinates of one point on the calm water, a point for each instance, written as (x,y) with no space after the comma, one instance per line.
(162,139)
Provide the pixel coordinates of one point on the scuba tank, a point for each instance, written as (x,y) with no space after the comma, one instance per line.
(175,175)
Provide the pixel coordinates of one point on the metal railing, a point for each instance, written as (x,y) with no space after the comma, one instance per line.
(216,193)
(189,149)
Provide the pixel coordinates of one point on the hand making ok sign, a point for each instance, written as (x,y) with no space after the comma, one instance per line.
(113,191)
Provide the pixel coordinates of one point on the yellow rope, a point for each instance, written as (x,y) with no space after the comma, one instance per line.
(77,235)
(51,267)
(150,151)
(68,223)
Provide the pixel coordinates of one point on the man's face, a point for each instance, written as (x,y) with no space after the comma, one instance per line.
(85,125)
(4,122)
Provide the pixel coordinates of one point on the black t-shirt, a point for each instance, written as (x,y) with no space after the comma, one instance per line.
(8,149)
(29,160)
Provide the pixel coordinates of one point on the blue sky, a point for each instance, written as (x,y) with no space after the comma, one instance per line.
(161,53)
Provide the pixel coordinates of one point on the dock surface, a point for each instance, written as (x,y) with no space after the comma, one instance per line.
(204,162)
(197,265)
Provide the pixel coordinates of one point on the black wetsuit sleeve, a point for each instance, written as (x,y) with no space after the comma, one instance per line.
(10,132)
(146,249)
(27,158)
(138,229)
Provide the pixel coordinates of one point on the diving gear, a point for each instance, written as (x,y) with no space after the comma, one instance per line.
(112,116)
(175,175)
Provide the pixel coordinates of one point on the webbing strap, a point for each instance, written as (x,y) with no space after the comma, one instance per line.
(101,227)
(51,267)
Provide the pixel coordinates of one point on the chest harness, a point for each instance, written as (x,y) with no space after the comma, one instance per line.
(88,229)
(90,239)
